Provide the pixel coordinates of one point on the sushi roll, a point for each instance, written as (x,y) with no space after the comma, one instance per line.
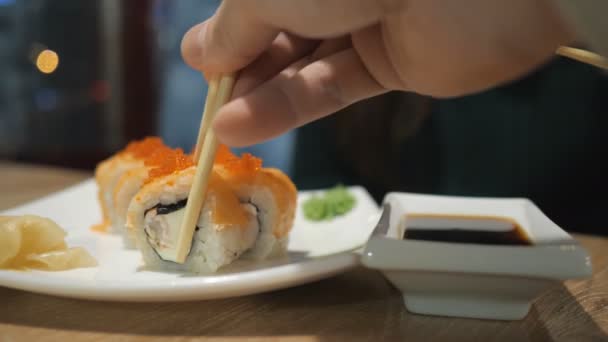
(130,182)
(128,185)
(109,172)
(248,213)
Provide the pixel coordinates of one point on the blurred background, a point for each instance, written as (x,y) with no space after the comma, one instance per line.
(79,79)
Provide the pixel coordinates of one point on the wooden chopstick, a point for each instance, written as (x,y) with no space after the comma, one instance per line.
(195,202)
(207,116)
(583,56)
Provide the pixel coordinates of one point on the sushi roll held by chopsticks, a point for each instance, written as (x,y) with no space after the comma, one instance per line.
(200,214)
(248,213)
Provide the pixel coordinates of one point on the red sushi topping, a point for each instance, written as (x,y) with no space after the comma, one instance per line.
(165,161)
(226,206)
(247,164)
(141,149)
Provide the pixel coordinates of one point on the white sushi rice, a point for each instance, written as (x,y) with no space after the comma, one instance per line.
(213,245)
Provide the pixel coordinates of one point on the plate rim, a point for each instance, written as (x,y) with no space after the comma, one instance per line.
(195,288)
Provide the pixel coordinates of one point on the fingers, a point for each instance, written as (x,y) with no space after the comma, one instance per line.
(369,44)
(321,19)
(331,46)
(228,41)
(284,51)
(241,30)
(296,97)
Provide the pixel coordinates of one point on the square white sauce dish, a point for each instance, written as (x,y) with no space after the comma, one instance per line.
(484,258)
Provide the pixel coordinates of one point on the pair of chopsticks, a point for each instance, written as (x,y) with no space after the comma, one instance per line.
(583,56)
(219,92)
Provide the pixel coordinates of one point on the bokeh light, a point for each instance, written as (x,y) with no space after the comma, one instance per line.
(47,61)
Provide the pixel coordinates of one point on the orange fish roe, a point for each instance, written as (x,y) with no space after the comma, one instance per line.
(165,162)
(224,155)
(226,206)
(142,148)
(246,165)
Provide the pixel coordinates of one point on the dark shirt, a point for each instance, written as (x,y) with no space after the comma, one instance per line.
(542,137)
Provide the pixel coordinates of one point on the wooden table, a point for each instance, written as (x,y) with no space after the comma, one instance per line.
(358,305)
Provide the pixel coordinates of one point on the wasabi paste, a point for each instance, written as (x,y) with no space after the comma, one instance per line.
(334,202)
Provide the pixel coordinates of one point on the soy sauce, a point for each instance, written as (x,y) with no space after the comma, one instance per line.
(515,236)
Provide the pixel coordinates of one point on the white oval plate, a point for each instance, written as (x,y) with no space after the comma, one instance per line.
(316,251)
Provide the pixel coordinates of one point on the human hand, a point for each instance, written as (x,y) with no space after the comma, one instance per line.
(302,60)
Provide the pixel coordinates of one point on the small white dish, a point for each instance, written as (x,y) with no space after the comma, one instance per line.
(472,280)
(119,277)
